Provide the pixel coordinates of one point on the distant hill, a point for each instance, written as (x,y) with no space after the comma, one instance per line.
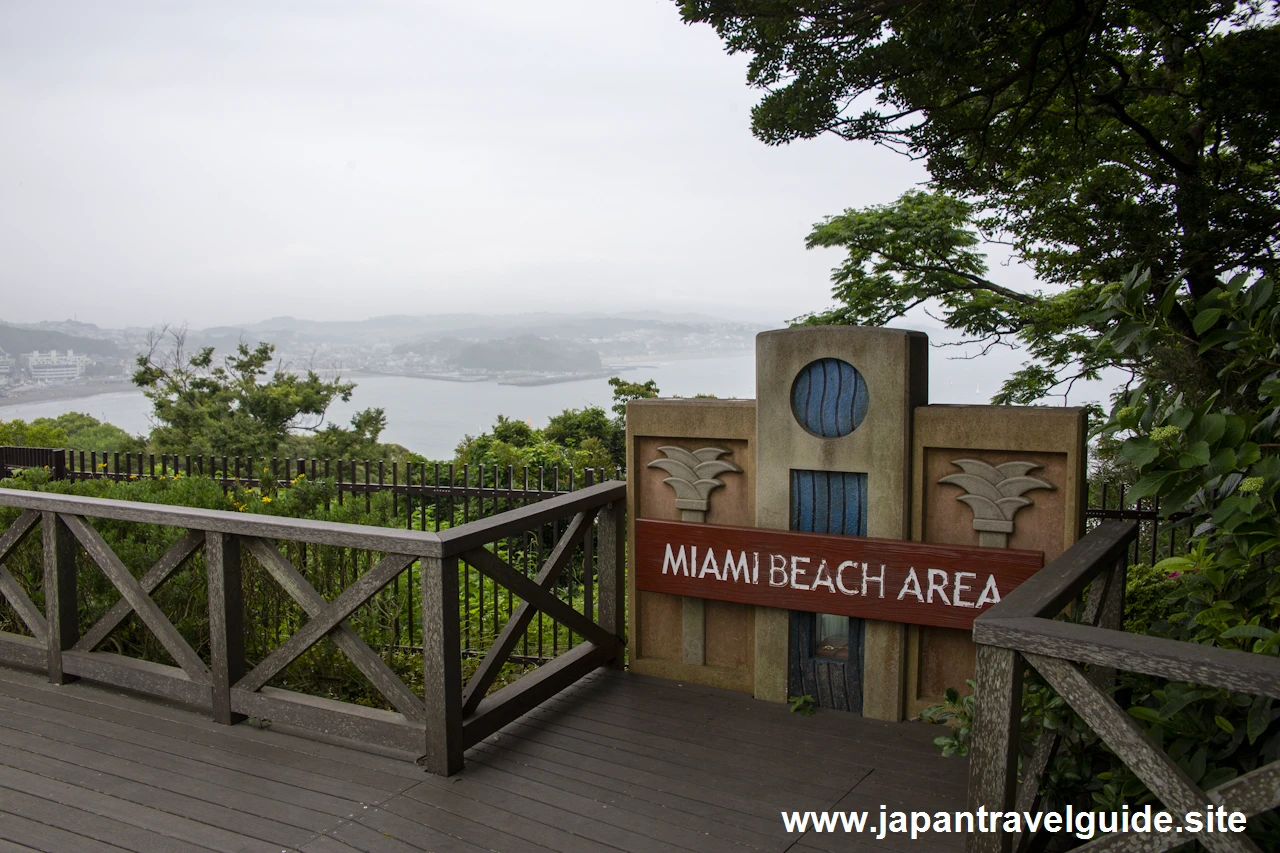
(527,352)
(15,340)
(399,329)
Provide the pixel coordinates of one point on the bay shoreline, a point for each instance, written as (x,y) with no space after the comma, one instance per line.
(66,392)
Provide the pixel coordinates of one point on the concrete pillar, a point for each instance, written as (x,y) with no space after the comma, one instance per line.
(892,367)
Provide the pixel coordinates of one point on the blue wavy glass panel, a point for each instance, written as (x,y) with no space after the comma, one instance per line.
(829,398)
(829,502)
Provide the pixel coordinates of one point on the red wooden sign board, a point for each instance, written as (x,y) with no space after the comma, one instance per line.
(888,579)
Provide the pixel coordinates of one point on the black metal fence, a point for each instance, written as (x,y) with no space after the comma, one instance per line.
(474,491)
(432,495)
(1157,536)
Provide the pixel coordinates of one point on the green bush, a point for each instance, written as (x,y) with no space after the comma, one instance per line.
(1147,595)
(1212,452)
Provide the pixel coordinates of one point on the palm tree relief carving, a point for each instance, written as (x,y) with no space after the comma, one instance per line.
(693,477)
(995,494)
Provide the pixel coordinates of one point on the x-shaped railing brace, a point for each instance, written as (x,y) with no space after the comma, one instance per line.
(330,618)
(10,589)
(1086,693)
(135,597)
(536,595)
(134,594)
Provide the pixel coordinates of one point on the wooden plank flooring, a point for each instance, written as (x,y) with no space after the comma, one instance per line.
(616,763)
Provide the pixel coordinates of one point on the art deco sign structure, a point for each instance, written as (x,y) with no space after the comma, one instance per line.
(837,535)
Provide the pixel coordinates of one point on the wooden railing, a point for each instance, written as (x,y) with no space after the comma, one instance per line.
(1024,629)
(442,722)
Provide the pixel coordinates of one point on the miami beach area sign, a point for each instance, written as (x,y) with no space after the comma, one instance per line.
(887,579)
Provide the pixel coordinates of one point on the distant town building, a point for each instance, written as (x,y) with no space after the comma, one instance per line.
(52,366)
(8,369)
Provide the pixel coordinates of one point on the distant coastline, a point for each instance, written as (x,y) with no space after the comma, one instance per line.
(67,392)
(535,379)
(98,387)
(429,417)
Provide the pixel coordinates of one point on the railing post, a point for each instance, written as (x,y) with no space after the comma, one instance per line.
(226,621)
(1112,612)
(996,739)
(441,665)
(613,583)
(59,593)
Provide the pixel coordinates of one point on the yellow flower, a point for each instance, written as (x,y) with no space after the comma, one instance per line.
(266,500)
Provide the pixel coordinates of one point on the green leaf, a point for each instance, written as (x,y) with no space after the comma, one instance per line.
(1211,427)
(1142,712)
(1256,631)
(1141,452)
(1195,456)
(1205,320)
(1218,776)
(1248,454)
(1219,338)
(1125,334)
(1150,484)
(1224,724)
(1222,462)
(1170,296)
(1237,282)
(1195,767)
(1257,296)
(1259,717)
(1175,705)
(1174,564)
(1235,432)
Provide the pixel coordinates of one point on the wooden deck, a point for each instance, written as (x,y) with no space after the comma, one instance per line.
(617,762)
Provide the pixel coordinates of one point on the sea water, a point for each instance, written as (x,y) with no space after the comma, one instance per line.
(431,416)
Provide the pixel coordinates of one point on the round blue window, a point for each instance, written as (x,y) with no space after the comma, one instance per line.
(829,398)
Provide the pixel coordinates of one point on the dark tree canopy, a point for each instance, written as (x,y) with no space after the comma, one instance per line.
(1094,135)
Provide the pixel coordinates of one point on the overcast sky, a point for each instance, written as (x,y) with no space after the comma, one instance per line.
(226,162)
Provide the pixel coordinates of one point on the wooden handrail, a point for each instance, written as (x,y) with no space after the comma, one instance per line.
(438,721)
(1053,588)
(465,537)
(1225,669)
(1022,629)
(311,531)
